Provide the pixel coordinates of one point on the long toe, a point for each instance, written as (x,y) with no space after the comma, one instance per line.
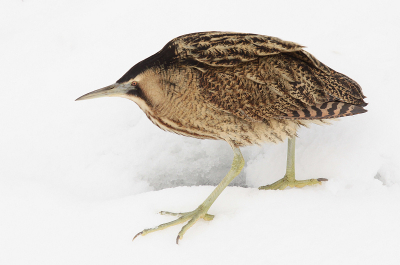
(284,182)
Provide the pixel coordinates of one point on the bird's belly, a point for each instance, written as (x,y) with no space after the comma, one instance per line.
(219,125)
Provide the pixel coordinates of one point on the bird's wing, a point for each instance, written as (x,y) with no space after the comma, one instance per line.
(281,86)
(257,77)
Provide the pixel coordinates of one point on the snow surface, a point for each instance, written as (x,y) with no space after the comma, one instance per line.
(79,179)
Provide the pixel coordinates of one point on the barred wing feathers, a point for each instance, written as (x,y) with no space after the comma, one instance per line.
(258,77)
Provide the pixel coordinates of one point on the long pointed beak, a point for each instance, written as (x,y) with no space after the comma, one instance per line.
(113,90)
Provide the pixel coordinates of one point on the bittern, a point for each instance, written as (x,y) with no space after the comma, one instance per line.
(242,88)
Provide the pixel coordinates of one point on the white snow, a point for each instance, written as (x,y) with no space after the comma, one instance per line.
(79,179)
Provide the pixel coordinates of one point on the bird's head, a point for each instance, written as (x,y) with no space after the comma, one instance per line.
(144,89)
(142,83)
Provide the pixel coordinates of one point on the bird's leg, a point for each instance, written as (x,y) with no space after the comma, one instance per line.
(201,211)
(289,178)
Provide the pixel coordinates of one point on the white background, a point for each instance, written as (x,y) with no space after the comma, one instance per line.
(79,179)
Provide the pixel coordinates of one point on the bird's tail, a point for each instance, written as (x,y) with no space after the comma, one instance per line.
(327,110)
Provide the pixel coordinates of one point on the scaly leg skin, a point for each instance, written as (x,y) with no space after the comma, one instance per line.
(289,178)
(201,211)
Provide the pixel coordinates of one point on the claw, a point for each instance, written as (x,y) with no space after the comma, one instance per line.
(177,239)
(137,235)
(322,179)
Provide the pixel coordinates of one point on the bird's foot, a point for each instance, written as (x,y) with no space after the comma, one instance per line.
(190,217)
(291,182)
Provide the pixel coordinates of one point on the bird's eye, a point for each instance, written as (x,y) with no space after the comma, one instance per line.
(134,83)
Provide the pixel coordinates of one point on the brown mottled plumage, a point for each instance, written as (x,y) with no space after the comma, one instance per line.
(242,88)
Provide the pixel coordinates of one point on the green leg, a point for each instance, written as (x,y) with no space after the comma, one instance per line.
(201,211)
(289,178)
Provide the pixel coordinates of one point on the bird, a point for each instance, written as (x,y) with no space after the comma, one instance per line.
(243,88)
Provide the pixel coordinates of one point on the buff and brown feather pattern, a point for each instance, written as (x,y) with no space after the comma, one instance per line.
(242,88)
(263,71)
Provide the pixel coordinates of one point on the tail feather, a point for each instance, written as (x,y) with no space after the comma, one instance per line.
(327,110)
